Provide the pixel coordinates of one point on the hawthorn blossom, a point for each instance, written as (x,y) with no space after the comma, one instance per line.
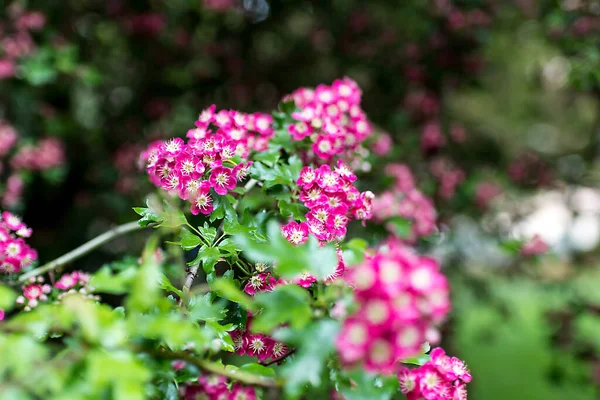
(333,201)
(400,296)
(216,387)
(36,291)
(261,282)
(330,116)
(15,254)
(534,246)
(191,169)
(440,378)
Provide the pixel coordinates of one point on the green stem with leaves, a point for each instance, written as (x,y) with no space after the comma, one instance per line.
(192,272)
(82,250)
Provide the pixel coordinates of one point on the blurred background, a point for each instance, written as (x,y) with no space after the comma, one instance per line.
(494,105)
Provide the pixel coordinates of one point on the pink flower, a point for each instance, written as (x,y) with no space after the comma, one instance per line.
(300,130)
(241,171)
(534,246)
(400,295)
(12,221)
(32,291)
(296,233)
(222,180)
(259,346)
(7,69)
(202,202)
(66,282)
(441,378)
(240,392)
(262,282)
(1,314)
(305,280)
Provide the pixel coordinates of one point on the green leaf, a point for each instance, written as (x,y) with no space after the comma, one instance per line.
(222,332)
(354,251)
(208,256)
(148,216)
(173,217)
(105,281)
(284,304)
(257,369)
(314,344)
(368,386)
(145,288)
(220,203)
(291,209)
(208,232)
(420,360)
(402,227)
(7,297)
(189,240)
(167,216)
(269,157)
(38,69)
(202,308)
(512,246)
(166,284)
(295,166)
(226,289)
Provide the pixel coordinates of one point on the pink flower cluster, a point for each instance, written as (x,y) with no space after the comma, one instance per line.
(448,175)
(486,192)
(331,117)
(36,291)
(215,387)
(191,169)
(333,201)
(15,38)
(15,254)
(440,378)
(219,5)
(48,153)
(401,297)
(406,201)
(260,346)
(257,345)
(432,138)
(534,247)
(8,138)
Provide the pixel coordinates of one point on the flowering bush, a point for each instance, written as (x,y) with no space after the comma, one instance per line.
(288,299)
(298,253)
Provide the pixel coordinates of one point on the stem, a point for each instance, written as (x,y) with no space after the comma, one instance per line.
(240,266)
(82,250)
(200,235)
(192,273)
(215,368)
(279,359)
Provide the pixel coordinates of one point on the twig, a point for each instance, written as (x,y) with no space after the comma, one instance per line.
(82,250)
(279,359)
(219,369)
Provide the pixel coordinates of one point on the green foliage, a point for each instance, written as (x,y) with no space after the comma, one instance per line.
(508,334)
(314,344)
(286,304)
(291,261)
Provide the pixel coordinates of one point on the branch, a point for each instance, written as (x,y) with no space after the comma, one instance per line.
(82,250)
(219,369)
(279,359)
